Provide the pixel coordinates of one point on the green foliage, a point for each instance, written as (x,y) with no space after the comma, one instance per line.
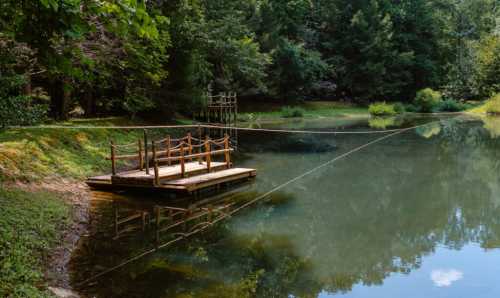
(399,108)
(292,112)
(18,109)
(382,109)
(30,226)
(426,99)
(493,104)
(129,56)
(450,105)
(488,66)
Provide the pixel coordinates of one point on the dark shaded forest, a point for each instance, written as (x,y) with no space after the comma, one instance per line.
(60,58)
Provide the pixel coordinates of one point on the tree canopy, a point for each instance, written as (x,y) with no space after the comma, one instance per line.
(129,56)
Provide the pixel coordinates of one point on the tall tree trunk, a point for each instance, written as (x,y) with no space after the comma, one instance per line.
(89,102)
(65,98)
(55,92)
(27,86)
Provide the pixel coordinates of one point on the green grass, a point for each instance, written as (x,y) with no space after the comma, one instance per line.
(311,110)
(30,155)
(30,225)
(491,106)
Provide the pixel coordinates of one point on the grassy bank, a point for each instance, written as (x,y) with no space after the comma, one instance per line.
(33,219)
(311,110)
(32,155)
(30,226)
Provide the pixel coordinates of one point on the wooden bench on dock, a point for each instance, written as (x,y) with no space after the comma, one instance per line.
(184,164)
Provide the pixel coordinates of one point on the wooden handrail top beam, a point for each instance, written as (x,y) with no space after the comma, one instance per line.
(215,152)
(131,156)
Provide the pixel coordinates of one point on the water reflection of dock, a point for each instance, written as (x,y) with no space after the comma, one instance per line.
(160,222)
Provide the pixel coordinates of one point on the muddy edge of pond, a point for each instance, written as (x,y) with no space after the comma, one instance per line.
(77,195)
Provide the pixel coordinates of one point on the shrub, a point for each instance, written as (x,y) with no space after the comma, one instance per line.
(291,112)
(16,109)
(450,105)
(20,110)
(382,109)
(399,108)
(411,108)
(427,99)
(493,104)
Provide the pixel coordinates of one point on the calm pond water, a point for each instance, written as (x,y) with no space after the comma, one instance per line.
(415,215)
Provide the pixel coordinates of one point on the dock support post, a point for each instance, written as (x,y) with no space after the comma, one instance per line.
(113,159)
(146,151)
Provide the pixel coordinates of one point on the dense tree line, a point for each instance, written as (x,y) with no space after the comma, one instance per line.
(128,56)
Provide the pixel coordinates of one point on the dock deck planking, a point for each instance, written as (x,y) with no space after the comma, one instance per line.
(210,179)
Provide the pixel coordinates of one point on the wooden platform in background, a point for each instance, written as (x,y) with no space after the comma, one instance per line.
(196,177)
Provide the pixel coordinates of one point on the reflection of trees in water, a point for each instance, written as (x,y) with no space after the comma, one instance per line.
(376,213)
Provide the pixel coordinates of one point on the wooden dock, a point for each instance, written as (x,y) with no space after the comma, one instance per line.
(187,164)
(222,108)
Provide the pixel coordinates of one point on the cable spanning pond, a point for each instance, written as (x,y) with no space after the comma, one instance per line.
(413,215)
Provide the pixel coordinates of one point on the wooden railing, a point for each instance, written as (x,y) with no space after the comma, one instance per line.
(170,151)
(137,155)
(223,99)
(185,153)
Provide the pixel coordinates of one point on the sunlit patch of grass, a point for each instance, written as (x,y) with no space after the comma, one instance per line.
(30,226)
(34,154)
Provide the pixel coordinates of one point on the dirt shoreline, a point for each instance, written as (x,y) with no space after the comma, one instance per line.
(77,195)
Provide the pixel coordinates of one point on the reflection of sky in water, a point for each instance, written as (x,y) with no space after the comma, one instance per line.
(445,277)
(472,272)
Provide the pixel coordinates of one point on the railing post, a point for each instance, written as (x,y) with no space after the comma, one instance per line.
(200,158)
(208,157)
(155,164)
(146,151)
(141,159)
(168,150)
(227,155)
(190,148)
(113,159)
(183,167)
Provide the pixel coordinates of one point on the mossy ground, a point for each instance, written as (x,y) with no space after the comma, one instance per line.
(30,225)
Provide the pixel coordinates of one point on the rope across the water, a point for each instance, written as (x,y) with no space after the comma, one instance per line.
(208,126)
(247,204)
